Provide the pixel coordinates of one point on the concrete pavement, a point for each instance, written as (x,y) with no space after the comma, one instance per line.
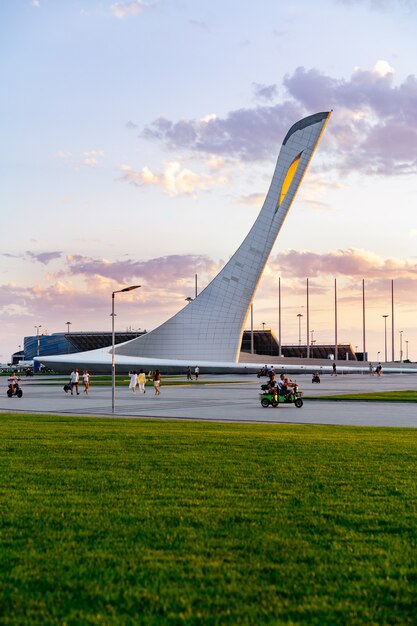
(231,399)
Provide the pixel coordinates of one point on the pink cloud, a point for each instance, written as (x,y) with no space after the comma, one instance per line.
(374,126)
(171,270)
(351,263)
(44,257)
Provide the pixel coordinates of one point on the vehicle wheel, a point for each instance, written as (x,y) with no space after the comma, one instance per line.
(299,403)
(9,393)
(265,403)
(275,404)
(19,393)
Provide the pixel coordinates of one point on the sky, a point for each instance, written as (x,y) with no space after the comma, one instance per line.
(139,140)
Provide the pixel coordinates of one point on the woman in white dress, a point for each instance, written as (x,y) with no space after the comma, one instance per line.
(133,381)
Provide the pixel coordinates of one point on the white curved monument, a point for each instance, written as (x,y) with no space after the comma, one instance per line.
(210,328)
(208,331)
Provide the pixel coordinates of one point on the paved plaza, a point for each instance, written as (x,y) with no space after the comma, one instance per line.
(231,398)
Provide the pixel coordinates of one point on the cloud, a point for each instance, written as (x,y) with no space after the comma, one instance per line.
(44,257)
(172,270)
(247,134)
(41,257)
(174,180)
(373,128)
(252,199)
(352,263)
(91,157)
(264,92)
(128,9)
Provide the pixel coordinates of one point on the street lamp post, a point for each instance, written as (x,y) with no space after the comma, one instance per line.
(385,320)
(401,346)
(263,324)
(312,342)
(68,325)
(406,349)
(113,364)
(299,315)
(377,356)
(37,338)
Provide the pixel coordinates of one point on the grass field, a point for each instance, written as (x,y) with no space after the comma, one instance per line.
(379,396)
(156,522)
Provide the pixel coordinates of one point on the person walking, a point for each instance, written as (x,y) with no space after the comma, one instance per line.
(142,381)
(371,369)
(157,382)
(86,381)
(133,381)
(334,371)
(196,372)
(74,378)
(189,377)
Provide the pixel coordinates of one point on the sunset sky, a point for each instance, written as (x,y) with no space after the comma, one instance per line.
(138,140)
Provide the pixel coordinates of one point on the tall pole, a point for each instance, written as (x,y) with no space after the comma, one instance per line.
(335,320)
(401,346)
(37,338)
(113,368)
(113,363)
(363,319)
(299,315)
(308,324)
(406,349)
(279,319)
(196,291)
(251,328)
(385,320)
(392,321)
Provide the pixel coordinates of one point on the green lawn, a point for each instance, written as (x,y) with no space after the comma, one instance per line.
(160,522)
(384,396)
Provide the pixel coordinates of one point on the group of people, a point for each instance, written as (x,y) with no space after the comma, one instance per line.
(137,380)
(378,369)
(283,386)
(196,373)
(75,379)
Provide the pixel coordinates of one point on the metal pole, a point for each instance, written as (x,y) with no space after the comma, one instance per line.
(37,338)
(113,367)
(406,349)
(251,328)
(113,364)
(308,324)
(392,321)
(279,319)
(299,315)
(335,320)
(196,285)
(363,319)
(401,346)
(385,320)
